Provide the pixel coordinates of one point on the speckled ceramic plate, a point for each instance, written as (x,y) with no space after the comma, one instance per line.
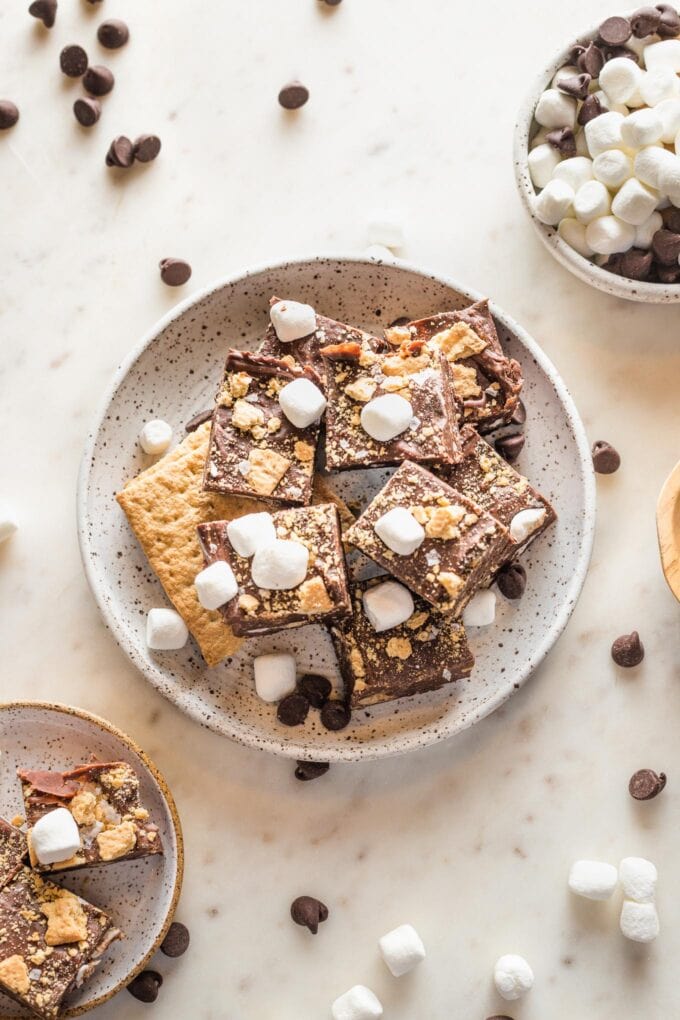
(173,374)
(141,895)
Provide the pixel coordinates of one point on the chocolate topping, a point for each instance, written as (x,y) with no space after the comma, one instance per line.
(592,108)
(563,140)
(55,784)
(591,60)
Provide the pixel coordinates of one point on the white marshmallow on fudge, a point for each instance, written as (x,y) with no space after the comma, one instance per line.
(302,402)
(275,675)
(638,879)
(576,171)
(642,128)
(55,837)
(543,160)
(663,54)
(658,85)
(555,110)
(292,320)
(644,233)
(280,565)
(594,880)
(359,1003)
(387,605)
(481,609)
(669,111)
(513,977)
(613,168)
(155,437)
(609,235)
(620,79)
(554,202)
(386,417)
(604,132)
(524,523)
(400,531)
(591,201)
(635,202)
(165,630)
(8,521)
(249,532)
(385,227)
(216,585)
(574,233)
(639,921)
(402,949)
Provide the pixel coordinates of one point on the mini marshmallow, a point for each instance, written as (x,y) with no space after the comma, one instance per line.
(649,164)
(402,949)
(542,162)
(634,102)
(400,531)
(251,531)
(513,977)
(556,110)
(659,85)
(604,132)
(576,170)
(609,105)
(386,417)
(275,675)
(387,605)
(292,320)
(359,1003)
(554,202)
(155,437)
(669,111)
(638,879)
(644,127)
(581,144)
(620,78)
(612,167)
(635,202)
(574,233)
(8,522)
(595,880)
(669,178)
(302,402)
(639,921)
(526,522)
(568,71)
(385,227)
(663,54)
(55,837)
(645,232)
(609,235)
(165,630)
(591,201)
(215,585)
(280,565)
(481,609)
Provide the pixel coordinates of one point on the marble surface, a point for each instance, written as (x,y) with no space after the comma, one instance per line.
(470,841)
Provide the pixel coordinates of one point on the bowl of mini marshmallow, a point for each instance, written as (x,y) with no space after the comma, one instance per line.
(597,156)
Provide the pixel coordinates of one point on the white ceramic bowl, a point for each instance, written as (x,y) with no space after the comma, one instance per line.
(174,373)
(619,286)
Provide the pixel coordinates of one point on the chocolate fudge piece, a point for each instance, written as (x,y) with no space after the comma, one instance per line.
(463,548)
(360,373)
(422,654)
(323,595)
(103,798)
(13,851)
(254,450)
(486,382)
(486,477)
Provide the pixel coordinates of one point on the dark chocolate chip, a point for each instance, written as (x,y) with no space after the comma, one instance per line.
(669,22)
(512,580)
(403,320)
(294,95)
(637,264)
(316,689)
(309,912)
(145,986)
(645,21)
(620,51)
(563,140)
(335,715)
(98,80)
(615,31)
(592,108)
(575,53)
(332,3)
(498,1016)
(146,148)
(671,218)
(120,153)
(176,942)
(293,710)
(174,272)
(577,85)
(87,111)
(628,650)
(519,415)
(591,60)
(666,247)
(646,784)
(605,458)
(668,274)
(613,263)
(113,34)
(510,446)
(308,770)
(198,419)
(73,61)
(9,114)
(45,11)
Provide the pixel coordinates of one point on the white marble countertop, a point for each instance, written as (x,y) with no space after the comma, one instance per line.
(470,841)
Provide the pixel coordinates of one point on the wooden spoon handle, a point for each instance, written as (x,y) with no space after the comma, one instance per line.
(668,529)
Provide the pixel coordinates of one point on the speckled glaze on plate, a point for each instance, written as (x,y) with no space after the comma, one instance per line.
(141,896)
(174,373)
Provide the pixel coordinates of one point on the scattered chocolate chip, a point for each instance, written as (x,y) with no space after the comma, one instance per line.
(332,3)
(498,1016)
(637,264)
(145,986)
(174,272)
(73,61)
(9,114)
(605,458)
(628,650)
(87,111)
(668,274)
(645,21)
(176,942)
(666,246)
(615,31)
(512,580)
(335,715)
(146,148)
(592,108)
(309,912)
(563,140)
(308,770)
(519,415)
(294,95)
(316,689)
(113,34)
(591,60)
(120,153)
(45,11)
(577,85)
(293,710)
(510,447)
(646,784)
(198,419)
(669,22)
(671,218)
(98,80)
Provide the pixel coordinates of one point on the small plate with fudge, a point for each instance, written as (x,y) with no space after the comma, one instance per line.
(90,860)
(354,508)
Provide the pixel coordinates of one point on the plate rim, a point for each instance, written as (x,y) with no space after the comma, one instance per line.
(407,742)
(104,724)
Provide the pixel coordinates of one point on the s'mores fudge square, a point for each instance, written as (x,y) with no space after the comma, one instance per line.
(13,851)
(435,540)
(298,578)
(254,449)
(388,405)
(425,652)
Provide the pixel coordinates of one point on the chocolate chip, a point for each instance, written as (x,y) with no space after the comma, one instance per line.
(668,274)
(620,51)
(309,912)
(293,710)
(87,111)
(198,419)
(669,22)
(605,458)
(613,263)
(73,61)
(308,770)
(637,264)
(335,715)
(146,148)
(666,246)
(591,60)
(575,53)
(316,689)
(577,85)
(519,415)
(120,153)
(176,942)
(9,114)
(332,3)
(294,95)
(563,140)
(174,272)
(497,1016)
(645,21)
(628,650)
(145,986)
(615,31)
(592,108)
(45,11)
(646,784)
(113,34)
(671,218)
(510,447)
(512,580)
(98,80)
